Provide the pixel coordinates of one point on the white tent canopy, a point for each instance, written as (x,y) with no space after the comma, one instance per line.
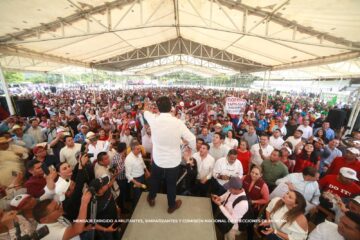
(244,36)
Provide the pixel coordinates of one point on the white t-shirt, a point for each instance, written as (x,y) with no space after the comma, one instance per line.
(223,167)
(293,141)
(255,155)
(307,131)
(276,142)
(231,143)
(205,166)
(69,154)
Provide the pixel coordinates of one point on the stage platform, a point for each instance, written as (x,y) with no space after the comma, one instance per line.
(193,221)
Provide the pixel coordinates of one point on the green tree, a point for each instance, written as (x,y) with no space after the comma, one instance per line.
(13,77)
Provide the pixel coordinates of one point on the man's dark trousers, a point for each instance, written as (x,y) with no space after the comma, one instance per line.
(170,175)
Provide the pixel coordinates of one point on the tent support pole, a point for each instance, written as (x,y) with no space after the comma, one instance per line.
(6,90)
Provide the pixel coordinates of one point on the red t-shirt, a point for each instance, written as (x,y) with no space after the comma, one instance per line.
(331,184)
(340,162)
(302,163)
(244,158)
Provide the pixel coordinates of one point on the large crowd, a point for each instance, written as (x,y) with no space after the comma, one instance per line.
(299,174)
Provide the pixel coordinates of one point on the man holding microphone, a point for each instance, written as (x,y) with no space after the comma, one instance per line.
(167,133)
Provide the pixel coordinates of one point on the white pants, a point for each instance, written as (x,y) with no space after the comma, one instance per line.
(231,234)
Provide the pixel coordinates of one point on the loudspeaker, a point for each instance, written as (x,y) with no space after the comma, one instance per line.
(53,89)
(277,93)
(25,108)
(336,118)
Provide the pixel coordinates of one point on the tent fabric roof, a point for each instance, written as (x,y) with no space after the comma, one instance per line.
(246,36)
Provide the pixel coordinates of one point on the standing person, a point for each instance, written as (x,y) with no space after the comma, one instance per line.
(166,154)
(306,129)
(244,155)
(251,136)
(261,151)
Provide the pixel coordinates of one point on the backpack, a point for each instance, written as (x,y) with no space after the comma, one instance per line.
(248,218)
(246,221)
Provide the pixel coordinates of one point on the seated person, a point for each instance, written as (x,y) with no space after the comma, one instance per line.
(291,208)
(348,228)
(305,183)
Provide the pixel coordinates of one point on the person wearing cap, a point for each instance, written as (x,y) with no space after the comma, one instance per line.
(225,202)
(273,169)
(329,154)
(306,129)
(217,148)
(348,228)
(343,184)
(276,140)
(36,183)
(68,153)
(81,136)
(106,207)
(261,151)
(305,183)
(95,146)
(166,154)
(24,203)
(58,143)
(41,155)
(35,131)
(21,138)
(350,160)
(224,169)
(10,161)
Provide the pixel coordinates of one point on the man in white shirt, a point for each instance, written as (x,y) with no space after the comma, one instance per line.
(225,202)
(276,140)
(305,183)
(217,148)
(126,137)
(146,139)
(135,170)
(167,134)
(261,151)
(48,212)
(224,169)
(95,146)
(306,129)
(295,139)
(68,153)
(205,165)
(348,228)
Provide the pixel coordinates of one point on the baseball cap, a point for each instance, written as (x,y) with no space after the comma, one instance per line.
(19,201)
(356,199)
(234,182)
(84,126)
(218,125)
(349,173)
(37,149)
(99,182)
(353,150)
(60,129)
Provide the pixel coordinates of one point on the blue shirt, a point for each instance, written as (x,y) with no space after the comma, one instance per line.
(79,138)
(27,139)
(330,155)
(329,133)
(207,138)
